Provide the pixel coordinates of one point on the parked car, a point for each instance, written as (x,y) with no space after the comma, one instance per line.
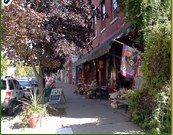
(11,92)
(34,82)
(27,87)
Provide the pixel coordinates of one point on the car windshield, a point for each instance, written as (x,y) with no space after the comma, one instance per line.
(3,84)
(34,81)
(24,83)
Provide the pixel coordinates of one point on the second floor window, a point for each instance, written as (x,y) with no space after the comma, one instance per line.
(103,12)
(114,9)
(95,25)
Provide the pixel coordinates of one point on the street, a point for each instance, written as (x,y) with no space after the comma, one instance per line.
(77,116)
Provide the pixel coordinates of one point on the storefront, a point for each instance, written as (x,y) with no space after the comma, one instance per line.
(79,74)
(106,60)
(115,78)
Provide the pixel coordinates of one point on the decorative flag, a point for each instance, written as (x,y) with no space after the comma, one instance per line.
(129,61)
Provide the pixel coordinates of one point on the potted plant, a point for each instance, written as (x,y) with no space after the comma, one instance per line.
(33,110)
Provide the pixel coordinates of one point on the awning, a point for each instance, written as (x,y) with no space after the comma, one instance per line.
(100,50)
(95,53)
(81,60)
(104,47)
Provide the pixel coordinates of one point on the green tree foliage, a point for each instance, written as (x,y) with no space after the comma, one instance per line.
(132,11)
(23,71)
(150,106)
(151,109)
(4,65)
(156,58)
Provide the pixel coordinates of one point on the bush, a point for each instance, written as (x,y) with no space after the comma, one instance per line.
(156,58)
(151,109)
(150,106)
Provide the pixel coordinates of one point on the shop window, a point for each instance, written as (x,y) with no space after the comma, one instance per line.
(114,9)
(87,68)
(103,12)
(80,74)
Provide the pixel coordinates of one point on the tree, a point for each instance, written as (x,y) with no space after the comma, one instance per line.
(23,71)
(44,32)
(4,65)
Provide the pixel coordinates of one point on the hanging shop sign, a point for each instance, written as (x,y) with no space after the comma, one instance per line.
(100,64)
(130,61)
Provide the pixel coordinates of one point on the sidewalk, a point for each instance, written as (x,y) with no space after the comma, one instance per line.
(81,116)
(107,120)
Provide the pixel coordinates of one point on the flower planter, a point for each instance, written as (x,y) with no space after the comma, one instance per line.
(34,119)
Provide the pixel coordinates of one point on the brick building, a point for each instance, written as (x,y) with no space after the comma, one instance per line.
(102,59)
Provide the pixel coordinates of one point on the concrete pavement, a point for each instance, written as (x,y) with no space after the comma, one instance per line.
(107,120)
(81,116)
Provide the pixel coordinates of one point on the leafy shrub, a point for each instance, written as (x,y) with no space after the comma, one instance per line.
(151,109)
(150,106)
(156,58)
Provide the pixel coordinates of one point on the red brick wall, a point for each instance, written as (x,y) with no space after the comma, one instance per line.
(112,27)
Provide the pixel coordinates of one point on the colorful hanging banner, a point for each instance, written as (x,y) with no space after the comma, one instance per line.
(129,61)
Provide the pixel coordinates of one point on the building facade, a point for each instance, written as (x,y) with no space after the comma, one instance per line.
(101,60)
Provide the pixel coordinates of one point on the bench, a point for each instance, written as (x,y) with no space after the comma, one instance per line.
(122,102)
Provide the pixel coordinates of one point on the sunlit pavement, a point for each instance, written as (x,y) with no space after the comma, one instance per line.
(83,116)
